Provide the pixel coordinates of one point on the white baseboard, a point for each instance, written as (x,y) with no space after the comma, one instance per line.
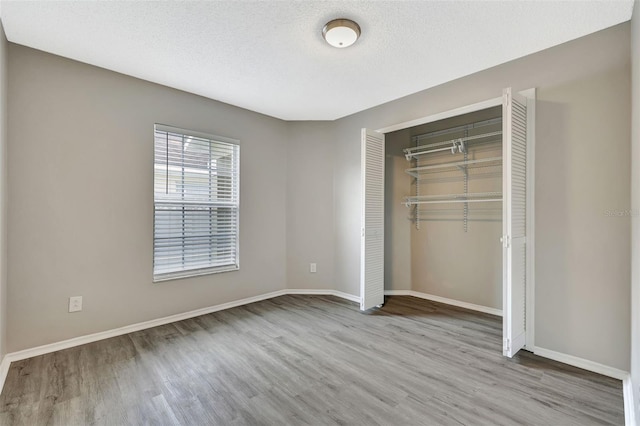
(471,306)
(4,370)
(94,337)
(336,293)
(629,408)
(585,364)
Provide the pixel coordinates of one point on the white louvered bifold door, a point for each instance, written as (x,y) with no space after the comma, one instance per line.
(372,244)
(514,222)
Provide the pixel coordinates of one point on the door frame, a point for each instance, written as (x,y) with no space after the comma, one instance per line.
(530,95)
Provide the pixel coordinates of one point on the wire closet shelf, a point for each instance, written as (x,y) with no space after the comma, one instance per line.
(460,165)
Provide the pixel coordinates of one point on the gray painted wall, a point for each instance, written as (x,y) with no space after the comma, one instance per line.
(81,199)
(602,59)
(582,245)
(310,220)
(3,192)
(635,206)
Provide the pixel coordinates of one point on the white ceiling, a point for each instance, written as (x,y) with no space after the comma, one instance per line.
(269,56)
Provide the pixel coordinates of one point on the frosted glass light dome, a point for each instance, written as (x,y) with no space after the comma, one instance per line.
(341,33)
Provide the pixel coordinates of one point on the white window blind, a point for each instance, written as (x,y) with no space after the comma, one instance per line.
(196,203)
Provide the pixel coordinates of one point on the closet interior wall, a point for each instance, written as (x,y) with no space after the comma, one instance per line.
(397,226)
(428,247)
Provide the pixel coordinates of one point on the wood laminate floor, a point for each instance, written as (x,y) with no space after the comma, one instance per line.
(308,360)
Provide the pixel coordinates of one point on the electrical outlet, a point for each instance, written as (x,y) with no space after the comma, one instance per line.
(75,304)
(312,268)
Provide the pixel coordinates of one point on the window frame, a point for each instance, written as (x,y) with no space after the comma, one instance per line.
(195,272)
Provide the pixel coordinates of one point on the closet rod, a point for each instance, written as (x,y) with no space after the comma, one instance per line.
(447,148)
(427,149)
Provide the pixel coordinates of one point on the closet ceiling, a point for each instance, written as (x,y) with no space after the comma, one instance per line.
(269,56)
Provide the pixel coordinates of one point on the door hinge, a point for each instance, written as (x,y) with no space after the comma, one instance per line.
(362,234)
(507,345)
(506,241)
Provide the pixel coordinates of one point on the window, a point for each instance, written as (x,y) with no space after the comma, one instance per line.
(196,203)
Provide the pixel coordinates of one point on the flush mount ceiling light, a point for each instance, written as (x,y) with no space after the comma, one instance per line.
(341,33)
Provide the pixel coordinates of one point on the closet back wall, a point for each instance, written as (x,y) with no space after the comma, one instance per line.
(443,259)
(440,258)
(81,199)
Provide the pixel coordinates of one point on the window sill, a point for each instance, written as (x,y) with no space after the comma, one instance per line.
(193,273)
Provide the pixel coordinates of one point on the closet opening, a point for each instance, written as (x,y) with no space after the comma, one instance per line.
(448,212)
(443,209)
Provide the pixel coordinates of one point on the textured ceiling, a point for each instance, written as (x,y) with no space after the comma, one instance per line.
(269,56)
